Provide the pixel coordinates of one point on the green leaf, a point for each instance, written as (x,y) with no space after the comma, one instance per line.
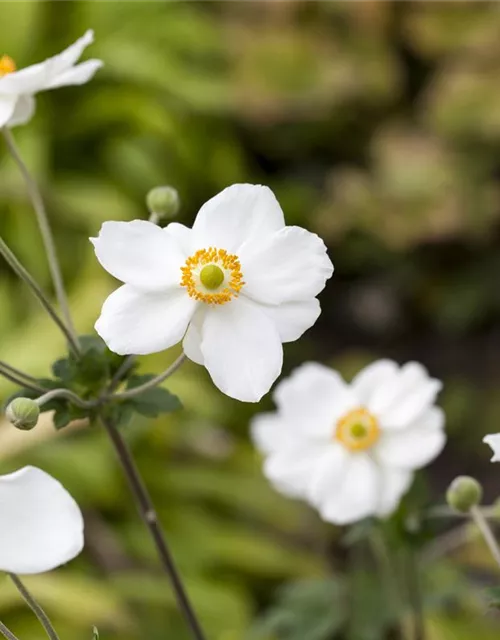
(493,594)
(152,402)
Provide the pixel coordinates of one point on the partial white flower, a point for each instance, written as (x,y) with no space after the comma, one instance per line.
(350,450)
(41,526)
(18,88)
(493,441)
(233,288)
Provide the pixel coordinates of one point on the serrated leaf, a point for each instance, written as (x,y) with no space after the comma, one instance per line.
(152,402)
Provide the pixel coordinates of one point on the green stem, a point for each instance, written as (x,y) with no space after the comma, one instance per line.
(47,238)
(131,393)
(486,532)
(22,383)
(7,633)
(35,607)
(415,596)
(69,395)
(18,268)
(17,372)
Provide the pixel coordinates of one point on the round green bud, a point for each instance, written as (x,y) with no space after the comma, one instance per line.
(23,413)
(164,201)
(212,276)
(464,493)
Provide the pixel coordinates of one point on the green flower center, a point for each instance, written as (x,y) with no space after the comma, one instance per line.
(212,276)
(358,430)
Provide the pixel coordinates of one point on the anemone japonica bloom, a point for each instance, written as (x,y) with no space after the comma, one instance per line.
(350,450)
(233,288)
(18,88)
(493,440)
(41,525)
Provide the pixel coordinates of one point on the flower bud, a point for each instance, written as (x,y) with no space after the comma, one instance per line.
(464,493)
(23,413)
(164,201)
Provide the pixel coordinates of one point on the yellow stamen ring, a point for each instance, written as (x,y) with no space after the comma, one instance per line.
(212,276)
(357,430)
(7,65)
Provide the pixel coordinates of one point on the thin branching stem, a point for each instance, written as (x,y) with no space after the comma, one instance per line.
(19,269)
(154,382)
(22,383)
(17,372)
(69,395)
(7,633)
(486,532)
(46,233)
(415,595)
(35,607)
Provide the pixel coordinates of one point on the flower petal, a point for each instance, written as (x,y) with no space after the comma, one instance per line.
(414,446)
(394,484)
(292,319)
(183,237)
(135,322)
(291,264)
(312,399)
(242,349)
(7,108)
(291,469)
(357,494)
(236,215)
(139,253)
(67,58)
(328,473)
(271,434)
(23,112)
(80,74)
(192,340)
(373,377)
(493,440)
(42,526)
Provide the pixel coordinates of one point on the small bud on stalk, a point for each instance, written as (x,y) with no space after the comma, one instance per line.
(23,413)
(164,202)
(464,493)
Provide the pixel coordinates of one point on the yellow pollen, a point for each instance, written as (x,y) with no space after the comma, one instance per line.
(357,430)
(194,276)
(7,65)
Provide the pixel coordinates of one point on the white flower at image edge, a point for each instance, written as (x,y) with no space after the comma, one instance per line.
(41,526)
(493,440)
(17,88)
(350,450)
(233,288)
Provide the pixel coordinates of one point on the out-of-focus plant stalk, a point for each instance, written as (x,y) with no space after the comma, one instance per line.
(488,535)
(154,382)
(22,382)
(18,268)
(415,595)
(43,223)
(7,633)
(43,618)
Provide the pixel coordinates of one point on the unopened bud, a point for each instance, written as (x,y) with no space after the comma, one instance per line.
(23,413)
(464,493)
(163,201)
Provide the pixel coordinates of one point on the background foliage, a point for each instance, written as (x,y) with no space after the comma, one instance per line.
(378,126)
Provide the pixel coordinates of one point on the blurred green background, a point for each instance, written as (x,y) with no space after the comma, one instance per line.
(377,124)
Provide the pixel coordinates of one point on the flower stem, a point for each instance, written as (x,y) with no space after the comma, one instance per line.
(148,514)
(415,596)
(18,268)
(17,372)
(43,223)
(131,393)
(486,532)
(35,607)
(7,633)
(69,395)
(20,381)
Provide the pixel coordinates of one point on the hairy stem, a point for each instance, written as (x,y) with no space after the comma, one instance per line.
(18,268)
(131,393)
(7,633)
(486,532)
(148,514)
(35,607)
(47,238)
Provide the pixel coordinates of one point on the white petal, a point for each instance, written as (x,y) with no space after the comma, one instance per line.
(394,484)
(183,237)
(139,253)
(192,340)
(357,494)
(414,446)
(78,75)
(236,215)
(23,112)
(291,469)
(493,440)
(271,433)
(135,322)
(312,399)
(291,264)
(373,377)
(242,349)
(292,319)
(42,526)
(7,107)
(328,473)
(67,58)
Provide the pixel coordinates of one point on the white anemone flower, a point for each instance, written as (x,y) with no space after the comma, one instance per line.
(18,88)
(233,288)
(350,450)
(41,525)
(493,440)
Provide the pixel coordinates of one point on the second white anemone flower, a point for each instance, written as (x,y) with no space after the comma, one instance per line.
(350,450)
(233,288)
(18,88)
(41,526)
(493,440)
